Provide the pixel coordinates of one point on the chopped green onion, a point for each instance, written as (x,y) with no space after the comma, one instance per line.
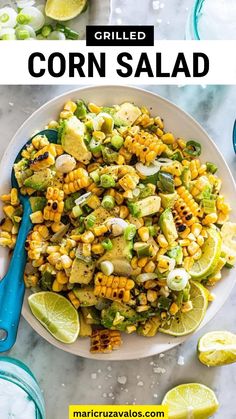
(95,146)
(107,181)
(23,34)
(37,18)
(117,141)
(152,231)
(95,176)
(107,267)
(56,36)
(177,156)
(77,211)
(8,37)
(46,30)
(211,167)
(23,19)
(90,220)
(68,32)
(108,202)
(81,110)
(107,244)
(163,303)
(193,148)
(177,279)
(130,232)
(4,18)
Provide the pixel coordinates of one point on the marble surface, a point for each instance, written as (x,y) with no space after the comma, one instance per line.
(68,379)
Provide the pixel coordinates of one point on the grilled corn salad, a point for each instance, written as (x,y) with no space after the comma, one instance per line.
(126,219)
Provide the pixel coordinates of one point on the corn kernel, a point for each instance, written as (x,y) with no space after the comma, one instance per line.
(56,287)
(144,233)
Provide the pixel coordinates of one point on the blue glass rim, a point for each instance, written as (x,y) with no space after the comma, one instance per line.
(234,136)
(196,10)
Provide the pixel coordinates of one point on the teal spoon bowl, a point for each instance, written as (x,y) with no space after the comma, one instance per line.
(12,286)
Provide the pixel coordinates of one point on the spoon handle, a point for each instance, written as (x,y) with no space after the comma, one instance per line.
(12,286)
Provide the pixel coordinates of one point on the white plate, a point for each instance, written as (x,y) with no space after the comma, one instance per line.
(181,124)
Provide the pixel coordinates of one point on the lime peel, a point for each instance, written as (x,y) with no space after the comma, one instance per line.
(64,10)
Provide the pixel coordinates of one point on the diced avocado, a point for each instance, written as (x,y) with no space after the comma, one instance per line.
(22,171)
(121,250)
(118,316)
(167,225)
(185,177)
(58,236)
(144,207)
(81,110)
(143,249)
(85,296)
(168,199)
(37,203)
(81,272)
(127,114)
(39,180)
(100,215)
(109,155)
(177,254)
(72,140)
(150,327)
(91,315)
(108,124)
(85,329)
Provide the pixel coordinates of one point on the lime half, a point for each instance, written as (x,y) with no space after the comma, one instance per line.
(193,400)
(185,323)
(217,348)
(208,262)
(56,314)
(64,9)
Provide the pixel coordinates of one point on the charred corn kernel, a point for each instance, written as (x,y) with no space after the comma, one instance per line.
(196,229)
(14,197)
(53,258)
(151,283)
(187,307)
(181,143)
(150,267)
(124,212)
(44,158)
(128,182)
(193,248)
(56,227)
(210,218)
(104,341)
(158,121)
(94,108)
(30,280)
(70,106)
(93,201)
(194,167)
(66,261)
(175,169)
(6,225)
(53,125)
(55,204)
(37,217)
(40,141)
(142,262)
(119,198)
(62,278)
(200,240)
(76,180)
(92,167)
(87,237)
(180,226)
(134,262)
(86,249)
(184,213)
(174,309)
(151,295)
(145,146)
(100,230)
(113,287)
(188,263)
(97,249)
(39,262)
(162,241)
(144,233)
(9,210)
(56,286)
(168,138)
(73,299)
(189,201)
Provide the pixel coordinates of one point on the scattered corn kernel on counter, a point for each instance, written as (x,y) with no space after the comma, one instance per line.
(128,224)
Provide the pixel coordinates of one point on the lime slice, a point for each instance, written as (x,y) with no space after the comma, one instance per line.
(193,400)
(211,251)
(217,348)
(56,314)
(64,10)
(185,323)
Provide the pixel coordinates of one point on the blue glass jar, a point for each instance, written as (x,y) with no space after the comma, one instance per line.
(24,387)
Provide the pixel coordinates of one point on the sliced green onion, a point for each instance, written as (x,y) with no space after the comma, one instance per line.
(107,244)
(4,18)
(68,32)
(95,146)
(95,176)
(8,37)
(8,17)
(46,30)
(177,156)
(107,181)
(56,36)
(20,30)
(146,277)
(130,232)
(107,267)
(23,19)
(193,148)
(163,303)
(90,220)
(108,202)
(77,211)
(117,141)
(23,34)
(177,279)
(211,167)
(37,19)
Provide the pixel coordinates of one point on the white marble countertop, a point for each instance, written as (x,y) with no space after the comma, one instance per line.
(66,379)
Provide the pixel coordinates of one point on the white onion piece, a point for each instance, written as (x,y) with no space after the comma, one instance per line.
(25,3)
(177,279)
(65,163)
(56,36)
(145,277)
(7,31)
(163,162)
(171,262)
(37,18)
(147,170)
(119,221)
(27,28)
(11,15)
(82,198)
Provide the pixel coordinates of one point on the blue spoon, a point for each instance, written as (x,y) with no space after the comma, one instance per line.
(234,136)
(12,286)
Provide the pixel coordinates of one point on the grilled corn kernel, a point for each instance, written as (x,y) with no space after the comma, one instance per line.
(44,158)
(66,261)
(53,258)
(188,263)
(196,229)
(145,146)
(70,106)
(73,299)
(151,295)
(200,240)
(151,283)
(56,286)
(142,262)
(87,237)
(150,267)
(100,230)
(14,197)
(76,180)
(162,241)
(94,108)
(62,278)
(134,262)
(168,138)
(128,182)
(124,212)
(104,341)
(113,287)
(144,233)
(210,218)
(97,249)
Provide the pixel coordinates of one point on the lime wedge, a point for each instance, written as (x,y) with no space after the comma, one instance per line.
(56,314)
(64,10)
(211,251)
(217,348)
(185,323)
(193,400)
